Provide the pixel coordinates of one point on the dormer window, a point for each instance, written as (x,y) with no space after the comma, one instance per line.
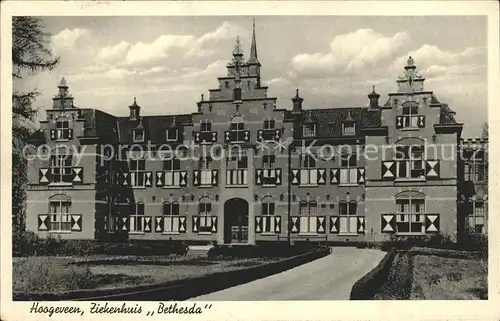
(138,135)
(172,134)
(206,127)
(309,130)
(349,128)
(269,124)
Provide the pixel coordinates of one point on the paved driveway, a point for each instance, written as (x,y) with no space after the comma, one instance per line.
(328,278)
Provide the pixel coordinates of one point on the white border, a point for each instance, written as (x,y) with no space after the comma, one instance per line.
(268,310)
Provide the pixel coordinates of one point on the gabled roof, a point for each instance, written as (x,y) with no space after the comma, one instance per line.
(155,127)
(329,121)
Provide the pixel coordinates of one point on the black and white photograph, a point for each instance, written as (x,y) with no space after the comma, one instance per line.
(246,157)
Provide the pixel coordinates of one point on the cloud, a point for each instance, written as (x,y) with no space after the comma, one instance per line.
(430,55)
(112,53)
(349,53)
(68,38)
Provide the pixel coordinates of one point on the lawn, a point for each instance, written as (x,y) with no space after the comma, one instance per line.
(439,278)
(433,277)
(51,274)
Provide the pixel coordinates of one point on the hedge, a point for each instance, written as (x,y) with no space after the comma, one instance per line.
(31,244)
(366,287)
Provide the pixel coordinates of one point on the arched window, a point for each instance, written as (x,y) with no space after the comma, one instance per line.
(171,217)
(61,166)
(60,213)
(237,129)
(136,213)
(268,212)
(348,222)
(410,212)
(268,206)
(307,212)
(205,215)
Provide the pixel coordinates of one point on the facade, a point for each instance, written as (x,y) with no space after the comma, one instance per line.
(240,170)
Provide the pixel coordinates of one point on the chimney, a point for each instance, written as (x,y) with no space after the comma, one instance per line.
(134,110)
(373,96)
(297,103)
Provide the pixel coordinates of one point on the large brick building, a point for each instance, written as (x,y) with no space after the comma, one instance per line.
(240,170)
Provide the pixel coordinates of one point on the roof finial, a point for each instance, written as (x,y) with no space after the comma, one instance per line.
(237,47)
(253,49)
(63,83)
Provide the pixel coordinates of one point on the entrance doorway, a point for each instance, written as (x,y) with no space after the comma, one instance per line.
(236,221)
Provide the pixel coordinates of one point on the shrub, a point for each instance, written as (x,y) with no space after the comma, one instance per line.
(41,274)
(472,241)
(366,287)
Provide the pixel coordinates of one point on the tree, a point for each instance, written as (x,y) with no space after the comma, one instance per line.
(484,131)
(30,54)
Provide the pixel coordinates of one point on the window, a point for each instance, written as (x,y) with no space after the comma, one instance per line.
(172,134)
(237,130)
(226,84)
(267,211)
(348,221)
(309,130)
(349,128)
(349,171)
(476,221)
(205,171)
(206,127)
(237,159)
(62,129)
(308,172)
(171,169)
(307,161)
(138,135)
(61,170)
(60,218)
(249,84)
(479,168)
(237,94)
(307,212)
(136,212)
(268,161)
(171,217)
(410,214)
(137,172)
(410,115)
(205,212)
(269,124)
(410,162)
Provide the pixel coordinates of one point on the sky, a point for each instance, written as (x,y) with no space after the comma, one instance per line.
(168,62)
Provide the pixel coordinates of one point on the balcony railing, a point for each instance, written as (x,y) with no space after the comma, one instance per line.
(237,136)
(268,176)
(235,177)
(410,121)
(410,223)
(308,224)
(54,175)
(269,135)
(205,177)
(268,224)
(62,133)
(308,176)
(205,137)
(204,223)
(347,224)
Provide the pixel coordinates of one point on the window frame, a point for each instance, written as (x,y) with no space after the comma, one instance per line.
(344,127)
(134,134)
(407,163)
(311,132)
(205,215)
(171,217)
(410,216)
(137,174)
(167,135)
(56,217)
(61,166)
(311,209)
(349,216)
(237,126)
